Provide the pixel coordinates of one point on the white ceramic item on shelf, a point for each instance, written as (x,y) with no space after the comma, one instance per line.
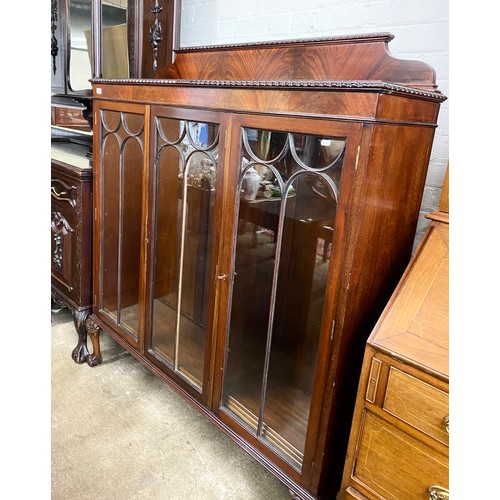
(251,184)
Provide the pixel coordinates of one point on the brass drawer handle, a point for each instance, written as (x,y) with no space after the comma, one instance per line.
(68,194)
(438,493)
(58,194)
(447,423)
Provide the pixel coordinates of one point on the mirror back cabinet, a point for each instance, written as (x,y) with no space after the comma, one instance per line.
(254,210)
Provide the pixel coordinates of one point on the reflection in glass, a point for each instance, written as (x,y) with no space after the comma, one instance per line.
(114,41)
(122,159)
(282,259)
(80,21)
(316,152)
(265,146)
(186,167)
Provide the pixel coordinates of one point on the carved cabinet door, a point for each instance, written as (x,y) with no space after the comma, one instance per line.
(63,226)
(70,234)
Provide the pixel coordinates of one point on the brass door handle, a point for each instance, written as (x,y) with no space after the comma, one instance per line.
(447,423)
(438,493)
(226,277)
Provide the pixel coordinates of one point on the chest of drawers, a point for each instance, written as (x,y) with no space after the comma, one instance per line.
(399,443)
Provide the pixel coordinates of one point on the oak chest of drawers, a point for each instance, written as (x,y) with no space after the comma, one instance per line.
(398,447)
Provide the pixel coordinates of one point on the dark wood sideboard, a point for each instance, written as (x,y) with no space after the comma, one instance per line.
(71,234)
(255,207)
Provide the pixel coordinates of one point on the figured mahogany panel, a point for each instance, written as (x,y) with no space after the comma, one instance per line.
(406,109)
(388,207)
(329,102)
(359,57)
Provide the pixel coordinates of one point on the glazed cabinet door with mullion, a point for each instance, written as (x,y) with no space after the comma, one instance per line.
(120,168)
(291,184)
(185,185)
(159,187)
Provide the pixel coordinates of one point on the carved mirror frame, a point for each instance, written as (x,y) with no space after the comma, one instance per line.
(61,44)
(59,47)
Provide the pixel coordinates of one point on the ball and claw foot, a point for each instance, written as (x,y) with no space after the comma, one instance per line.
(80,353)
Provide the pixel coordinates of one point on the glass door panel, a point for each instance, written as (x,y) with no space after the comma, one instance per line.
(289,186)
(166,263)
(122,156)
(185,168)
(109,228)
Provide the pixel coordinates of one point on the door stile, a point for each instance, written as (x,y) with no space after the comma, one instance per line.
(151,231)
(328,341)
(351,221)
(144,317)
(225,264)
(220,224)
(96,202)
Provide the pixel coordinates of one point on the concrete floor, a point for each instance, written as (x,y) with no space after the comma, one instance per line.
(119,433)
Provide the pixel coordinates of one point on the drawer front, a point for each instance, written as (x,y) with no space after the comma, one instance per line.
(395,465)
(418,404)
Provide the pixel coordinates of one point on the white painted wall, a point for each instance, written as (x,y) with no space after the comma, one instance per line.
(420,28)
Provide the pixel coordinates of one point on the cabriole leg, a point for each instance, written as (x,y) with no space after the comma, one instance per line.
(93,331)
(80,352)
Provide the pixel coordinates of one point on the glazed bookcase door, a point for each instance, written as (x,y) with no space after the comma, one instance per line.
(284,264)
(184,184)
(120,170)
